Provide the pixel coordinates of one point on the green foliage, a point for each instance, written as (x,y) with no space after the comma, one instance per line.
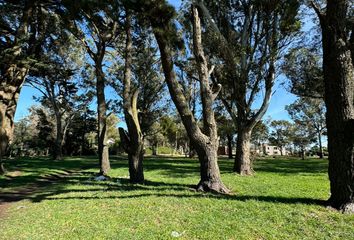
(303,68)
(309,113)
(281,133)
(260,133)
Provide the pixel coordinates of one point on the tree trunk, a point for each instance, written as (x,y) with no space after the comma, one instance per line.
(135,149)
(103,153)
(58,153)
(10,87)
(132,140)
(320,144)
(242,160)
(302,153)
(210,179)
(205,143)
(339,99)
(154,149)
(229,145)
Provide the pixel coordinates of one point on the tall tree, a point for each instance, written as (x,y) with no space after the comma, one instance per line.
(96,26)
(133,142)
(204,141)
(245,40)
(24,27)
(310,114)
(338,60)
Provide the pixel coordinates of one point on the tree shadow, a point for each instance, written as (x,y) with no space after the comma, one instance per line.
(291,166)
(173,167)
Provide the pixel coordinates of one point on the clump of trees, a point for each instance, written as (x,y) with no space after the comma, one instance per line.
(227,52)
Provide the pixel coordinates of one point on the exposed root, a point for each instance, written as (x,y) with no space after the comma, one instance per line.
(214,187)
(347,208)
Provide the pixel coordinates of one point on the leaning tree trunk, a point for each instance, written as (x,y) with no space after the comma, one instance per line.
(103,153)
(132,140)
(205,143)
(339,99)
(243,163)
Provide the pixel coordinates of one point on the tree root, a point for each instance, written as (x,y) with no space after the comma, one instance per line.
(214,187)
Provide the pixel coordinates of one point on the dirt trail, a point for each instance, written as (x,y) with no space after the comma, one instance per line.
(21,193)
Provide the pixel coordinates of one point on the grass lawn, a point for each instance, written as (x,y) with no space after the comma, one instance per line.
(281,201)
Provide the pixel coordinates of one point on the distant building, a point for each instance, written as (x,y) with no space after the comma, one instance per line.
(263,149)
(273,150)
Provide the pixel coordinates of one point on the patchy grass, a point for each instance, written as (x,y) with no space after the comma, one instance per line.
(281,201)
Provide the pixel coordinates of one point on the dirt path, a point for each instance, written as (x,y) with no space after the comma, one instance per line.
(18,194)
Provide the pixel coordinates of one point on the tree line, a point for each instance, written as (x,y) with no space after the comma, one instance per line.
(209,54)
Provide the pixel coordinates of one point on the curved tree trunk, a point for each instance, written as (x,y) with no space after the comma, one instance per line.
(132,140)
(339,99)
(242,163)
(205,143)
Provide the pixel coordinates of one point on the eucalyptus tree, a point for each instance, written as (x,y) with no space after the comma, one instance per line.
(301,137)
(24,27)
(205,141)
(245,40)
(142,89)
(133,142)
(280,134)
(310,114)
(336,21)
(96,25)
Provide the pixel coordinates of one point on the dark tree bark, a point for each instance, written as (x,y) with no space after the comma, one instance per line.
(229,145)
(339,98)
(133,142)
(12,79)
(205,144)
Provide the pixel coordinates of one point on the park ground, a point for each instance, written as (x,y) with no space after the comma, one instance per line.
(45,199)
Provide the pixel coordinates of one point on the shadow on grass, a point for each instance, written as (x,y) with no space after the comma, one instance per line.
(170,166)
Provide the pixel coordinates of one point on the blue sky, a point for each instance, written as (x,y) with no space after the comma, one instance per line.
(276,110)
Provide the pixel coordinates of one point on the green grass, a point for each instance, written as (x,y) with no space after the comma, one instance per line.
(281,201)
(161,150)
